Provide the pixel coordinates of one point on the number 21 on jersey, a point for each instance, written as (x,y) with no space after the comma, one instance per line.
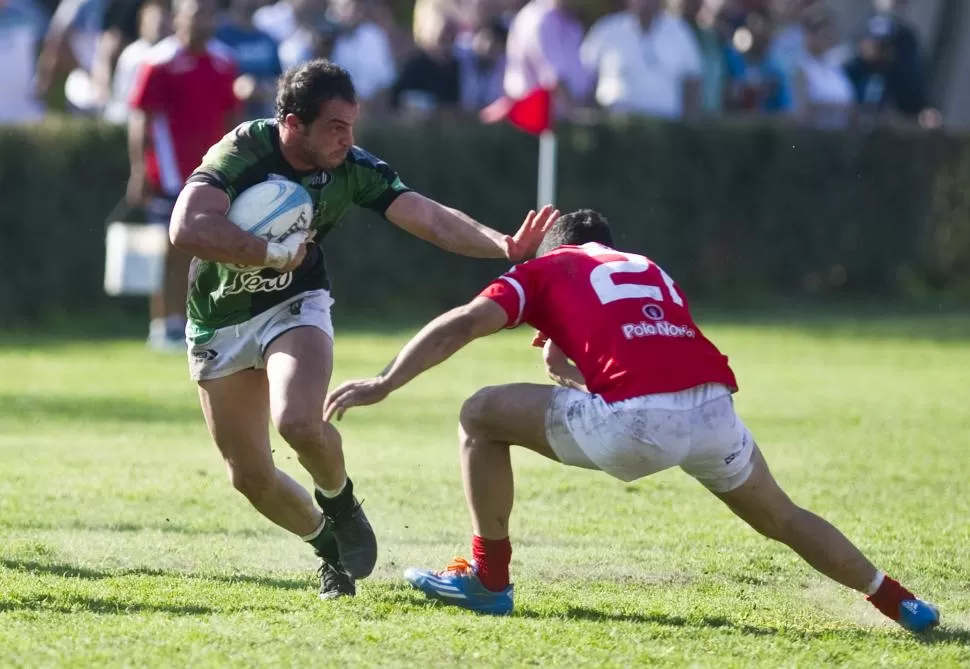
(608,290)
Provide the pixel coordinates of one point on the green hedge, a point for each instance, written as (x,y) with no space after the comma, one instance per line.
(732,211)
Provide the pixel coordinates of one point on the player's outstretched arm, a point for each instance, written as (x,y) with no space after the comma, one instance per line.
(455,231)
(436,342)
(200,228)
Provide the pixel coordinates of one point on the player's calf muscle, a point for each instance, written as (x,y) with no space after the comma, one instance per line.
(253,482)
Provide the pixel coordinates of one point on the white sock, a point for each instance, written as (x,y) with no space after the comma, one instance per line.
(876,583)
(330,494)
(157,327)
(315,533)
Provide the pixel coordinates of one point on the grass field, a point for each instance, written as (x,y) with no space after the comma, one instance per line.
(122,544)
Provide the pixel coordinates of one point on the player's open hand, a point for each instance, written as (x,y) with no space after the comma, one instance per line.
(525,242)
(354,394)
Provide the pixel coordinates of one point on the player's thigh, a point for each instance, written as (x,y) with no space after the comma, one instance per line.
(514,414)
(299,363)
(760,501)
(236,410)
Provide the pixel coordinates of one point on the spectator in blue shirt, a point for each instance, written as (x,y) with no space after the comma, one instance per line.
(889,72)
(757,83)
(22,26)
(257,57)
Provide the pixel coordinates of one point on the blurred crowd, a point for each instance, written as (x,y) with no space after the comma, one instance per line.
(668,59)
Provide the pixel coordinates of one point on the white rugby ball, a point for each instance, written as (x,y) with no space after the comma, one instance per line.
(272,210)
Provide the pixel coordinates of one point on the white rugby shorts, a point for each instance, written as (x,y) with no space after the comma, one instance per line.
(695,429)
(214,354)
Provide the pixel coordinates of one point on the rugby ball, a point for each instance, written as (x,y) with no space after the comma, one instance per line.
(272,210)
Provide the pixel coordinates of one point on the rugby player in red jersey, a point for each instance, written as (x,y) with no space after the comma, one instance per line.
(647,392)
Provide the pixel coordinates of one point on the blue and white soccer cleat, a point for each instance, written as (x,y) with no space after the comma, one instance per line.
(458,585)
(916,615)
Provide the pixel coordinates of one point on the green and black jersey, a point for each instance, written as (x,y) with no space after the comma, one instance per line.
(220,296)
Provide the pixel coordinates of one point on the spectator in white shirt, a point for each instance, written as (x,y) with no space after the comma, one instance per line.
(789,46)
(154,23)
(646,61)
(310,35)
(823,92)
(542,51)
(279,20)
(362,48)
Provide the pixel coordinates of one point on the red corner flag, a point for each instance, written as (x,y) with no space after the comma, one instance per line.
(533,113)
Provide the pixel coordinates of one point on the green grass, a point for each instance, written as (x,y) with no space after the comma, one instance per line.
(122,544)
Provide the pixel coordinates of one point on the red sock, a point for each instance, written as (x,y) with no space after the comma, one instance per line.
(492,557)
(889,596)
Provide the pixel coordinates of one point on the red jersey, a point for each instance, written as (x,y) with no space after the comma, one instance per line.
(189,98)
(618,316)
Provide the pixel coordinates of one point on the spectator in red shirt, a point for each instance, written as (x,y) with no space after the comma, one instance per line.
(181,104)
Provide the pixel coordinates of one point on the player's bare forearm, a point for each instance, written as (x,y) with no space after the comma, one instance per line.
(436,342)
(569,378)
(442,338)
(460,233)
(445,227)
(200,228)
(560,369)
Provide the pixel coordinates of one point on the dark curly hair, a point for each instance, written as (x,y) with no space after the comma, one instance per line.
(303,89)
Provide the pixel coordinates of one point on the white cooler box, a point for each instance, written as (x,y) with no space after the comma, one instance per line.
(134,259)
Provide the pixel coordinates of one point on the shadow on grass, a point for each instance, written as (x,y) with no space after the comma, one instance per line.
(78,408)
(580,613)
(945,635)
(166,527)
(85,573)
(80,603)
(937,636)
(599,616)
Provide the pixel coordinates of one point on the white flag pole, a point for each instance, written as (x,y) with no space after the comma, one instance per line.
(547,169)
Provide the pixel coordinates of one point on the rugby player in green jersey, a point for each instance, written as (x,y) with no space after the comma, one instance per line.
(261,341)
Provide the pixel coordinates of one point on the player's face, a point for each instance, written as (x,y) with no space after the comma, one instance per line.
(327,140)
